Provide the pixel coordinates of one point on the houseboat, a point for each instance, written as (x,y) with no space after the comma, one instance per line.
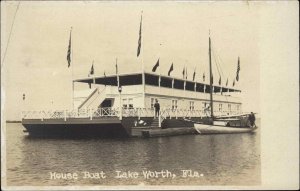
(123,105)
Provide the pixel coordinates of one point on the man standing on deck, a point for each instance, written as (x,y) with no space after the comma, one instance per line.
(252,119)
(157,108)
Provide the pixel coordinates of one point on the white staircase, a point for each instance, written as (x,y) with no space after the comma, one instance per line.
(94,99)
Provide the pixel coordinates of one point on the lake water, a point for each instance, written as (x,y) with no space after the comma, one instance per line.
(232,159)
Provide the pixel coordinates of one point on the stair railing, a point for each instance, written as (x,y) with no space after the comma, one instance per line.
(161,117)
(88,98)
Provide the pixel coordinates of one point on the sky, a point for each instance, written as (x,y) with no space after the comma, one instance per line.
(175,32)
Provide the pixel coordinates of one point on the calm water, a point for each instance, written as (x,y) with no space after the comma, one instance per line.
(222,159)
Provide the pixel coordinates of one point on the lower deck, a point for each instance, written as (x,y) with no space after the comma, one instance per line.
(106,127)
(102,127)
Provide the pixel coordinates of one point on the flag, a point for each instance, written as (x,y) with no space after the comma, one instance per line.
(186,73)
(194,74)
(23,96)
(90,85)
(116,68)
(92,70)
(220,81)
(156,65)
(203,76)
(238,70)
(69,50)
(233,83)
(183,72)
(170,70)
(140,39)
(227,82)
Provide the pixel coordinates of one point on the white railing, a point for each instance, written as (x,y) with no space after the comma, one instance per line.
(138,112)
(64,114)
(128,112)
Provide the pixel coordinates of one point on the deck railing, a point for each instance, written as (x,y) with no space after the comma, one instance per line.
(109,112)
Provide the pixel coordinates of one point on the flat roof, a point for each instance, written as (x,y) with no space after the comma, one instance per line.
(150,79)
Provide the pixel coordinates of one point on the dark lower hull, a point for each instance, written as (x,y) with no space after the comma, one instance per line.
(102,127)
(77,130)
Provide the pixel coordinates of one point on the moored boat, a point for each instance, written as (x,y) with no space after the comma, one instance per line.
(240,123)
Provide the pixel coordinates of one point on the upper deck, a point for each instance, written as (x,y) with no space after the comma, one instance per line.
(154,80)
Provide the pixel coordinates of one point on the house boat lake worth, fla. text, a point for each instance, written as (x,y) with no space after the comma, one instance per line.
(145,174)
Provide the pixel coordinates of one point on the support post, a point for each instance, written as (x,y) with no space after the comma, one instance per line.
(65,115)
(159,80)
(91,114)
(173,83)
(159,120)
(120,107)
(139,113)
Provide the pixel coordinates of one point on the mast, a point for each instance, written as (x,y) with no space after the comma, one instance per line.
(210,83)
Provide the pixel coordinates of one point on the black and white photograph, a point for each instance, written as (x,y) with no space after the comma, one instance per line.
(106,95)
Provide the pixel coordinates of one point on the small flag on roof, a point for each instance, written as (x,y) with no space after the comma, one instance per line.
(170,70)
(92,69)
(116,68)
(186,73)
(69,50)
(194,74)
(140,38)
(155,66)
(238,70)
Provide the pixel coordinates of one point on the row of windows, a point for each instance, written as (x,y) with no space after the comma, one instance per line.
(192,105)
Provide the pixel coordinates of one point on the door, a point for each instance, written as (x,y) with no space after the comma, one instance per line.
(106,103)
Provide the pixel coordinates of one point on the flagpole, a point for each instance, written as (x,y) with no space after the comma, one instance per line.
(72,70)
(143,67)
(195,79)
(117,72)
(159,79)
(94,80)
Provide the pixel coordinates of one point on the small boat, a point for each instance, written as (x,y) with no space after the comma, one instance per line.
(243,123)
(215,129)
(239,124)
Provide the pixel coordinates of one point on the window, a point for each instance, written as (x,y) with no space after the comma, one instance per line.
(124,101)
(220,107)
(174,104)
(152,102)
(130,103)
(192,105)
(127,103)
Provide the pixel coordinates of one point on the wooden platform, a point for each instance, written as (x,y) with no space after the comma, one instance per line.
(168,132)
